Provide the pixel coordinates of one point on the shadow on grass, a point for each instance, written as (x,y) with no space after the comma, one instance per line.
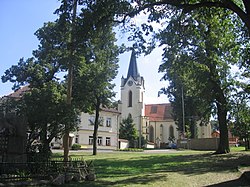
(187,164)
(137,180)
(232,183)
(145,169)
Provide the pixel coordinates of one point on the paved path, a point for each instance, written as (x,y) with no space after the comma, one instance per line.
(151,151)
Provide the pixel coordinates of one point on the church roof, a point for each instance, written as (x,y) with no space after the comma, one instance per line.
(133,70)
(159,112)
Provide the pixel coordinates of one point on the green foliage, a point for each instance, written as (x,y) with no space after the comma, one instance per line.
(132,150)
(76,146)
(240,119)
(85,44)
(128,131)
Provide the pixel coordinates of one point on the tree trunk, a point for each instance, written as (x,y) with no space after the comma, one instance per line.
(222,118)
(97,113)
(69,86)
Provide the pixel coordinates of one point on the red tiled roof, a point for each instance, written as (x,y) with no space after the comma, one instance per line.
(159,112)
(18,93)
(113,110)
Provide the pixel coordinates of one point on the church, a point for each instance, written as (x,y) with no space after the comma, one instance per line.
(153,121)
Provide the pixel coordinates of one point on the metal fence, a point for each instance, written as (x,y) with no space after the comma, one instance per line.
(42,170)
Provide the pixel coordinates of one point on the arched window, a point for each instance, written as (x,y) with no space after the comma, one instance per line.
(171,131)
(130,98)
(161,132)
(151,134)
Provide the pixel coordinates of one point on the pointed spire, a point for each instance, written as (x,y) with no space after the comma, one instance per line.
(133,70)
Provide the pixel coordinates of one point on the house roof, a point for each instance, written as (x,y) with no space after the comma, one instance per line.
(112,110)
(18,93)
(133,70)
(159,112)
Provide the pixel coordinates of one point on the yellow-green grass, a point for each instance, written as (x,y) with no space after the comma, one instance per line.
(183,168)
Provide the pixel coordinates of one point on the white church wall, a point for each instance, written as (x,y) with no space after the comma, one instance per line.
(137,108)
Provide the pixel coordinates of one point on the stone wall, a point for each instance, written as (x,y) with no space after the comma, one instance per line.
(199,144)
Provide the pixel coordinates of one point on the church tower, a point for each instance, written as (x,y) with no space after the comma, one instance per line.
(132,93)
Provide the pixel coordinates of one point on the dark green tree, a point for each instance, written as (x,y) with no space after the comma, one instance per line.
(240,118)
(199,53)
(97,74)
(128,131)
(163,11)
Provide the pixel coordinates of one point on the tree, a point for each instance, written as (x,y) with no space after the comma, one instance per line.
(240,117)
(241,8)
(163,11)
(128,131)
(98,72)
(197,110)
(43,106)
(201,59)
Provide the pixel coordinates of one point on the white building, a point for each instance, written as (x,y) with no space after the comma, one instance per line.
(107,131)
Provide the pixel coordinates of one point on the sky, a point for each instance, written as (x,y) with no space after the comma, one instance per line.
(19,20)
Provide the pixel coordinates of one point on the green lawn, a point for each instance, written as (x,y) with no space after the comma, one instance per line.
(183,168)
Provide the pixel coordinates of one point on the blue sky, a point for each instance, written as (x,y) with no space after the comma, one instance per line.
(20,19)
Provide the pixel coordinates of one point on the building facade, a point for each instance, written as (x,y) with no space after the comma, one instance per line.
(107,131)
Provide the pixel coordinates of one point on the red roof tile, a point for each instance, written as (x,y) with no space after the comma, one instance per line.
(159,112)
(18,93)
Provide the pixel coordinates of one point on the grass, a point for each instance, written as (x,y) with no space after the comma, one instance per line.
(183,168)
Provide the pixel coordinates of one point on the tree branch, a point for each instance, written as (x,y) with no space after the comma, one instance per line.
(227,4)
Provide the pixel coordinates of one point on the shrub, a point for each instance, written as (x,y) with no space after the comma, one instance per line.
(76,146)
(132,150)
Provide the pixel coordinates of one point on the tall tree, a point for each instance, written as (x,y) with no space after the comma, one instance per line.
(98,72)
(200,53)
(128,131)
(165,11)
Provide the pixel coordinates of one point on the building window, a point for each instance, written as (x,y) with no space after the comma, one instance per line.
(151,134)
(90,140)
(161,132)
(101,121)
(99,141)
(171,131)
(130,98)
(108,122)
(153,109)
(108,142)
(77,139)
(92,120)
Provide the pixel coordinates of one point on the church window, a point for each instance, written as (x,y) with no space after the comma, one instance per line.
(161,131)
(130,98)
(153,109)
(171,131)
(151,134)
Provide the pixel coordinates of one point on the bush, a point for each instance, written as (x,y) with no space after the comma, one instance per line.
(76,146)
(132,150)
